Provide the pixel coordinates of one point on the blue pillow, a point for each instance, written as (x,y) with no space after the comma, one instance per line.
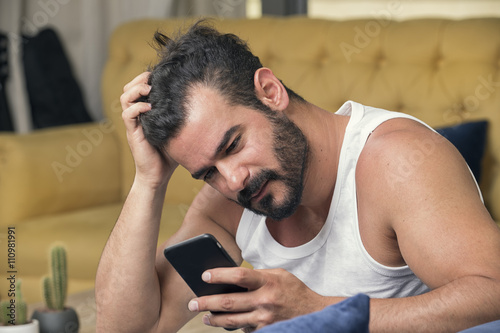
(492,327)
(470,140)
(350,315)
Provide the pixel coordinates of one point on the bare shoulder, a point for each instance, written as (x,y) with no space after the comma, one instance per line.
(421,186)
(401,152)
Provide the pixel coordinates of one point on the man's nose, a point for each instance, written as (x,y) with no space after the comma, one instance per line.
(234,175)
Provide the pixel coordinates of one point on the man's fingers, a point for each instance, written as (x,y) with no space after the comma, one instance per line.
(230,320)
(135,89)
(233,302)
(130,114)
(243,277)
(141,78)
(252,309)
(130,96)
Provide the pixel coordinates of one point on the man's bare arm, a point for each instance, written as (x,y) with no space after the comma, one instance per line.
(126,278)
(127,286)
(443,230)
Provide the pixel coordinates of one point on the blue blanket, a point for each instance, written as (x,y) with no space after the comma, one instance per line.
(350,315)
(493,327)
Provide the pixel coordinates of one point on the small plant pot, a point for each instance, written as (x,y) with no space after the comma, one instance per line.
(65,321)
(31,327)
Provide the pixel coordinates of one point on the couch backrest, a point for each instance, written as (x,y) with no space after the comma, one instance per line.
(442,71)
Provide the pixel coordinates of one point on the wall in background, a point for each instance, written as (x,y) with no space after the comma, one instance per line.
(254,8)
(403,9)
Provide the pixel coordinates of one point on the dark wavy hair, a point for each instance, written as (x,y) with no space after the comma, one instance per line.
(200,56)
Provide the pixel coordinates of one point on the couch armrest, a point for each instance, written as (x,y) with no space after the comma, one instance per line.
(58,169)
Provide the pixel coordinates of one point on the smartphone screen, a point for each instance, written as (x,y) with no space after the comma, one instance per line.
(192,257)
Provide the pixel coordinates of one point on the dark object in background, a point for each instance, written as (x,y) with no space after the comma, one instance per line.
(55,96)
(5,119)
(470,140)
(284,7)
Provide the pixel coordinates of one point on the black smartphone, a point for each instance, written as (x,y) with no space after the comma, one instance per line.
(192,257)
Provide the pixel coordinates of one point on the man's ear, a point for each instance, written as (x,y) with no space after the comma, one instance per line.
(270,90)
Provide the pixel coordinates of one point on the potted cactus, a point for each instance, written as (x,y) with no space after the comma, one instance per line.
(13,315)
(56,317)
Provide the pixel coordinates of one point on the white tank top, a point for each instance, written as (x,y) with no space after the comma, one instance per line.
(335,262)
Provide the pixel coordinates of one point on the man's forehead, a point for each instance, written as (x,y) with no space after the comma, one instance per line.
(206,123)
(203,102)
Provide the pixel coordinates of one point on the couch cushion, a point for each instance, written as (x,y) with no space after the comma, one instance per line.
(83,232)
(57,170)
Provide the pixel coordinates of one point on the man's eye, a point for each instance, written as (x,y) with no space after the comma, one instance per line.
(233,145)
(209,174)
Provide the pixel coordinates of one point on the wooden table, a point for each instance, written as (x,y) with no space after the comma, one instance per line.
(84,305)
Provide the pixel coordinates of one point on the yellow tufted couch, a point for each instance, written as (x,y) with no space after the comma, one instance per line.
(67,184)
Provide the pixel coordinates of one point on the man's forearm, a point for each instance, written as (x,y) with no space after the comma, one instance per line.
(127,287)
(460,304)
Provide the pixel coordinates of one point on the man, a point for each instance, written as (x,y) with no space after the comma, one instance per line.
(314,200)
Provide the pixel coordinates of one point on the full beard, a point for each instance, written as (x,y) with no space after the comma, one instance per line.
(291,150)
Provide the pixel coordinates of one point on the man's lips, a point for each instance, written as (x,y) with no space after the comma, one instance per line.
(260,193)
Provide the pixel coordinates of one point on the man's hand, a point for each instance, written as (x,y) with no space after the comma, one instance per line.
(273,295)
(153,167)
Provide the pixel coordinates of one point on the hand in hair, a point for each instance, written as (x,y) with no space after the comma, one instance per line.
(153,167)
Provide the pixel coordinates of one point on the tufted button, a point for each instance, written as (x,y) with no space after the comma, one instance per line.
(400,107)
(456,113)
(381,62)
(439,63)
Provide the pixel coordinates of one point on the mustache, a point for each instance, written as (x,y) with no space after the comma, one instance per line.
(254,185)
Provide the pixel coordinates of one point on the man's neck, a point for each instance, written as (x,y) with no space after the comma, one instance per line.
(325,133)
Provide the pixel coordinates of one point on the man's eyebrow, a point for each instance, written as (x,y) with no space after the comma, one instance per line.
(223,143)
(199,173)
(225,139)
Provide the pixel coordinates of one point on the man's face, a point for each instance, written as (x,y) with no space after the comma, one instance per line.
(254,159)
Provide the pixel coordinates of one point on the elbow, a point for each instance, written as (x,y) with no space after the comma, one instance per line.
(113,317)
